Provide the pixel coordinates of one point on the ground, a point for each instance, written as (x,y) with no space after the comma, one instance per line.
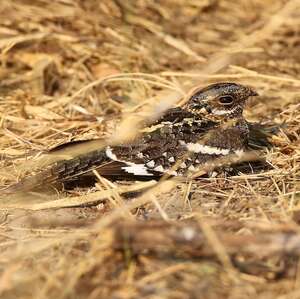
(83,70)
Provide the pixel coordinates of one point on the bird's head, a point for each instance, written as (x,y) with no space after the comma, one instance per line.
(223,100)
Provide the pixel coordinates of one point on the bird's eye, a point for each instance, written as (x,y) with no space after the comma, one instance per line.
(226,100)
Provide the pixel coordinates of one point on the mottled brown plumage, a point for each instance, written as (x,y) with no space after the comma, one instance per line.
(209,125)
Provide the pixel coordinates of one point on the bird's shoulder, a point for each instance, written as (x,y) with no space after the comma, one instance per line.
(174,115)
(178,123)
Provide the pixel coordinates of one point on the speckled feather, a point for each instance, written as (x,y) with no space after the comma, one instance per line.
(210,124)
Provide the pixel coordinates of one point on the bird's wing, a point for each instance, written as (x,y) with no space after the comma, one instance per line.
(160,146)
(151,155)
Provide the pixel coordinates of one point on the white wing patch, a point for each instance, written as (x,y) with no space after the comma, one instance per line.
(137,169)
(171,160)
(133,168)
(150,164)
(205,149)
(159,168)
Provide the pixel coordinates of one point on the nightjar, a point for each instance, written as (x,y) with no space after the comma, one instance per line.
(208,126)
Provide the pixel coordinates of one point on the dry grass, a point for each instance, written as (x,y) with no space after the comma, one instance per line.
(76,70)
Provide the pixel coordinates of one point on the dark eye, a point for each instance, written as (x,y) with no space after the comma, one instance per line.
(226,100)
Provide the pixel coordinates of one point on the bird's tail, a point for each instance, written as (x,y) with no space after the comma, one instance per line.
(260,135)
(59,172)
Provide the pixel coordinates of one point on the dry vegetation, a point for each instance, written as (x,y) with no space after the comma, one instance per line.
(73,70)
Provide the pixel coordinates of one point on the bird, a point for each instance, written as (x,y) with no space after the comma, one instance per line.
(209,125)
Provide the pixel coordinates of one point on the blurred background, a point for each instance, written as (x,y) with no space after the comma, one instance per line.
(73,70)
